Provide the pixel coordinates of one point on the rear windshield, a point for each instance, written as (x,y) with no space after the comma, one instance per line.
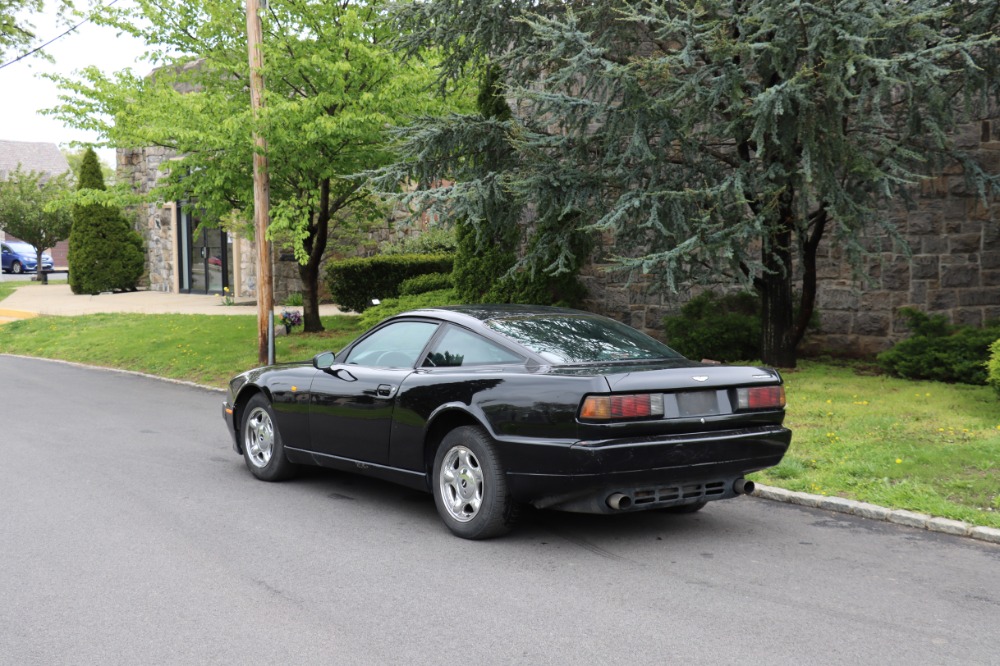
(564,339)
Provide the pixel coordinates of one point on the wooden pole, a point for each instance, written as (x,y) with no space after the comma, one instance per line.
(261,184)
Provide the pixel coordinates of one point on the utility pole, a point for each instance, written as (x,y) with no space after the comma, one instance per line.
(261,185)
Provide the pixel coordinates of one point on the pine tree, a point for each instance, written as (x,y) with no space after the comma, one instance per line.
(714,141)
(105,253)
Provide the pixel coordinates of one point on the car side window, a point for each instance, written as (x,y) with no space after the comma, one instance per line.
(394,346)
(459,348)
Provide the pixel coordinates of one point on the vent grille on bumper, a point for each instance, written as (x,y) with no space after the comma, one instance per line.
(683,494)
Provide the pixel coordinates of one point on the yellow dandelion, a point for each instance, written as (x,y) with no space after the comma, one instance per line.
(899,461)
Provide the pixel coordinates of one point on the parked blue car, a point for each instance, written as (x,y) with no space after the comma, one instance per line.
(21,257)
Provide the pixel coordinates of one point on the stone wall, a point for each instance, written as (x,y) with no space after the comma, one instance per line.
(154,221)
(954,269)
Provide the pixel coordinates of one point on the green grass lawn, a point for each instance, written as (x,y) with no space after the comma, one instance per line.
(922,446)
(199,348)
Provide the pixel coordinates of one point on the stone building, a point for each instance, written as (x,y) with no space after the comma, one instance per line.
(954,268)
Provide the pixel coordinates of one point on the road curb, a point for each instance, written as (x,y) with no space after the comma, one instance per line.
(875,512)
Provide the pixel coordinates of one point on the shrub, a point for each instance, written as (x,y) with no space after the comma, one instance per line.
(481,262)
(939,351)
(424,283)
(993,367)
(430,241)
(353,283)
(105,253)
(723,328)
(393,306)
(483,268)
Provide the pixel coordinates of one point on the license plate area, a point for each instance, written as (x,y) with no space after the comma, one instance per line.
(697,403)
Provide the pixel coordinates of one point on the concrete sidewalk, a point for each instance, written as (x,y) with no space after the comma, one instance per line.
(56,299)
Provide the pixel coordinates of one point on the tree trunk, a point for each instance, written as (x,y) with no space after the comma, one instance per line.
(775,287)
(309,273)
(315,246)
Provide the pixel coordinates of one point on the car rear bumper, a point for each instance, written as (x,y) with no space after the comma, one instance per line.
(652,472)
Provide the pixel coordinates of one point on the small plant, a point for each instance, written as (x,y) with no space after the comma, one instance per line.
(294,299)
(227,297)
(723,328)
(940,351)
(290,318)
(993,368)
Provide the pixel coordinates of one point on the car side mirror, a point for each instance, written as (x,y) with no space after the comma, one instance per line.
(324,360)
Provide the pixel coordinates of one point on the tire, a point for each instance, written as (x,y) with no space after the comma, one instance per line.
(470,487)
(261,442)
(16,268)
(685,508)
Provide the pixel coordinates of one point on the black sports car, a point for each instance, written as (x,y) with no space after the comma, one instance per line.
(490,407)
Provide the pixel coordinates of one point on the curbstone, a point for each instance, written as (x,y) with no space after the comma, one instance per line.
(990,534)
(804,499)
(876,512)
(871,511)
(948,526)
(838,504)
(771,493)
(909,518)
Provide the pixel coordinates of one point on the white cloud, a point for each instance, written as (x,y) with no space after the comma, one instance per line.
(28,93)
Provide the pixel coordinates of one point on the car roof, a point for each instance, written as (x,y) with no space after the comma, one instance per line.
(487,312)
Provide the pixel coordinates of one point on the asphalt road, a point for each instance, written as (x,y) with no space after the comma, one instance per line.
(130,533)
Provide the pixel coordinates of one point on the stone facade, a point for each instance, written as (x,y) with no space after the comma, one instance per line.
(954,269)
(156,222)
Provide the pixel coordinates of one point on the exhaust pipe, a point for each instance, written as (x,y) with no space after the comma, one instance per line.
(619,501)
(743,486)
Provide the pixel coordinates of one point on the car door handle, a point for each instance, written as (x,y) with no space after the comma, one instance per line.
(385,390)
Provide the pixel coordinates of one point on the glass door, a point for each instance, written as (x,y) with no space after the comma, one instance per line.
(204,257)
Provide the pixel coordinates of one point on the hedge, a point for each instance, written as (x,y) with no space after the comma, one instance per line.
(353,283)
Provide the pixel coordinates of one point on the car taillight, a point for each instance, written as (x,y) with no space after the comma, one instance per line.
(760,397)
(609,407)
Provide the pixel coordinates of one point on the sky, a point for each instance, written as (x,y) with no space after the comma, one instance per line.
(27,93)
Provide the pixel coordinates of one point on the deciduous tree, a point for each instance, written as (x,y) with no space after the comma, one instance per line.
(720,139)
(333,87)
(33,208)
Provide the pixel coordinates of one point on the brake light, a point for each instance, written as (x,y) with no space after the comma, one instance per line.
(608,407)
(760,397)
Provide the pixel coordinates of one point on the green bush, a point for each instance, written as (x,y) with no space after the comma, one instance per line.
(353,283)
(939,351)
(722,328)
(483,268)
(105,253)
(429,241)
(393,306)
(424,283)
(993,367)
(481,262)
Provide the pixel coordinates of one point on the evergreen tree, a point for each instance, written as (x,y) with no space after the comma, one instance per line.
(716,140)
(482,260)
(105,253)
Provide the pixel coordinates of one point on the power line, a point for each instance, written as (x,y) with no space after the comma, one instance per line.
(54,39)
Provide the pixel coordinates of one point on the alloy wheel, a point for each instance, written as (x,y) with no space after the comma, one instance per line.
(258,437)
(461,483)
